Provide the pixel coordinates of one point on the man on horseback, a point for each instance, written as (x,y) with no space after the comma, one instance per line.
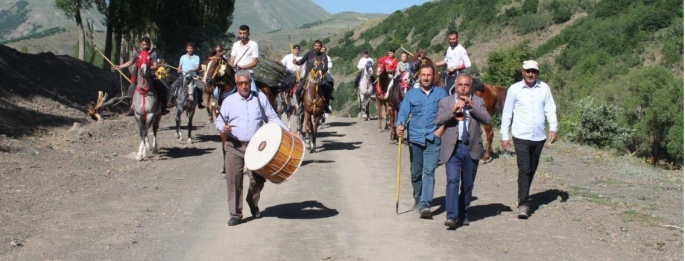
(311,58)
(144,56)
(390,64)
(287,61)
(361,65)
(189,63)
(245,54)
(402,65)
(456,59)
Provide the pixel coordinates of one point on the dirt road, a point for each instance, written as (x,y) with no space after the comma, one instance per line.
(340,205)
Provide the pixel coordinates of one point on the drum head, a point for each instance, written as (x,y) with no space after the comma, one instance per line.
(263,146)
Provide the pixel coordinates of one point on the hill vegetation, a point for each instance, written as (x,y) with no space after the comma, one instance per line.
(268,15)
(615,67)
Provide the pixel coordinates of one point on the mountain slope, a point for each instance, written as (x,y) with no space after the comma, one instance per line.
(268,15)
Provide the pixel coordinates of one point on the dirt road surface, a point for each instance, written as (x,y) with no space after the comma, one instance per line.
(75,194)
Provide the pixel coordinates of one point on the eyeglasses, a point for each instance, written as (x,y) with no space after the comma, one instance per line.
(242,83)
(531,71)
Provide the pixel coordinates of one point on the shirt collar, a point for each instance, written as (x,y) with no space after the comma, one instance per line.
(537,84)
(429,91)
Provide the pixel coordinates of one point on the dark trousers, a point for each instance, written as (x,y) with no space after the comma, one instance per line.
(459,166)
(234,163)
(527,158)
(424,161)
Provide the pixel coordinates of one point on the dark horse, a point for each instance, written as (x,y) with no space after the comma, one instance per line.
(313,102)
(492,95)
(400,88)
(382,84)
(420,59)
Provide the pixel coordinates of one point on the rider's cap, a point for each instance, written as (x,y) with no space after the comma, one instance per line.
(530,64)
(366,52)
(296,46)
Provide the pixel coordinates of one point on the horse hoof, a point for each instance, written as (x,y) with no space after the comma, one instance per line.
(189,141)
(139,157)
(312,149)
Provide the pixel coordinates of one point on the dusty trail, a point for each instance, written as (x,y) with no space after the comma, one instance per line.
(339,205)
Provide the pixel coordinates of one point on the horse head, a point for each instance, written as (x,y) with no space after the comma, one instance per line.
(144,77)
(318,72)
(216,69)
(368,68)
(380,69)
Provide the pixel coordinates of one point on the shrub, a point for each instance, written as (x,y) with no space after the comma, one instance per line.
(530,6)
(597,125)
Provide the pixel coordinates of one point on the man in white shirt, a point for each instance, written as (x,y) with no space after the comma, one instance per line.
(360,65)
(328,79)
(456,59)
(287,61)
(245,54)
(528,102)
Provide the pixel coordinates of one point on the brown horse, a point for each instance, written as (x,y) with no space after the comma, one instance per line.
(419,59)
(313,101)
(400,88)
(492,95)
(382,83)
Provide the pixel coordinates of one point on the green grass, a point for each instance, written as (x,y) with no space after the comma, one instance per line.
(637,216)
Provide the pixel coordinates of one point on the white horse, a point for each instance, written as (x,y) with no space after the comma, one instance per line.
(147,110)
(365,91)
(187,98)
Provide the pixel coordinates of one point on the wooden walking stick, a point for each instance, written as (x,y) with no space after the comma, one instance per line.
(399,166)
(112,64)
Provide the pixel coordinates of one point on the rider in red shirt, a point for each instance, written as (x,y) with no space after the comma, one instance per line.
(390,64)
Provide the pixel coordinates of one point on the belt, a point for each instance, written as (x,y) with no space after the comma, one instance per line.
(235,141)
(464,142)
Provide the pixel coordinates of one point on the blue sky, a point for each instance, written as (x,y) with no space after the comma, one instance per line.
(366,6)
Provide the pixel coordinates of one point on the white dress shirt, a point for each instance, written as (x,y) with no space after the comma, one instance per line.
(362,62)
(287,61)
(528,106)
(457,56)
(251,51)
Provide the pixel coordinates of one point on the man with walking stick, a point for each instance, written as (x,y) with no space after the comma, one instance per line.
(424,137)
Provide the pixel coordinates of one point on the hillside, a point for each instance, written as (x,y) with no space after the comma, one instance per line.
(319,30)
(268,15)
(602,58)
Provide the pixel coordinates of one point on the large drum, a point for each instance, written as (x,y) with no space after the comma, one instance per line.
(274,153)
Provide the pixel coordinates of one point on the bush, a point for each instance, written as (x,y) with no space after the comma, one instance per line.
(530,6)
(597,126)
(504,64)
(562,15)
(532,22)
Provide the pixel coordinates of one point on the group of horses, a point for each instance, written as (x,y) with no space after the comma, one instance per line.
(390,97)
(216,82)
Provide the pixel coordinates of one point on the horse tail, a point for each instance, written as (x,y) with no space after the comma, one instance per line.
(501,97)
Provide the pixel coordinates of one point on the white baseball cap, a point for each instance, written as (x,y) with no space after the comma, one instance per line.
(530,64)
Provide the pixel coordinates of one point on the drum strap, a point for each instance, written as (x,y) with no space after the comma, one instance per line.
(261,109)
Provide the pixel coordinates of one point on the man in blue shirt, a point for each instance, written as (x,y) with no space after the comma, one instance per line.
(189,63)
(527,105)
(424,137)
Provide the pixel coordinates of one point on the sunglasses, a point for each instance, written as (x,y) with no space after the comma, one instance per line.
(531,71)
(242,83)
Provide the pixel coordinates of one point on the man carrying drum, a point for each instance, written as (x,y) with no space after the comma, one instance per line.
(241,114)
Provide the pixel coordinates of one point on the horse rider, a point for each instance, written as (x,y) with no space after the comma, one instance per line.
(390,64)
(245,54)
(402,65)
(189,63)
(328,80)
(456,59)
(310,58)
(144,56)
(241,115)
(287,61)
(361,65)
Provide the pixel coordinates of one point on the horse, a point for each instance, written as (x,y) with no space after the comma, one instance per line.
(365,90)
(399,90)
(491,95)
(286,103)
(417,61)
(382,82)
(147,110)
(187,98)
(219,82)
(313,102)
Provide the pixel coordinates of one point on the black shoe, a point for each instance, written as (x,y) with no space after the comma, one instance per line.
(255,213)
(165,112)
(129,112)
(233,221)
(464,221)
(327,110)
(200,106)
(451,223)
(523,212)
(426,212)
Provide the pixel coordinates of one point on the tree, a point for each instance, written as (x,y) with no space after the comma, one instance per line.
(73,8)
(504,64)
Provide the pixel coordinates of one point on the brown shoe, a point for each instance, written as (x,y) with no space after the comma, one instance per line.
(523,212)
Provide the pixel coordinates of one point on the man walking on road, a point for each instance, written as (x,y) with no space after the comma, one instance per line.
(528,102)
(240,118)
(424,137)
(462,147)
